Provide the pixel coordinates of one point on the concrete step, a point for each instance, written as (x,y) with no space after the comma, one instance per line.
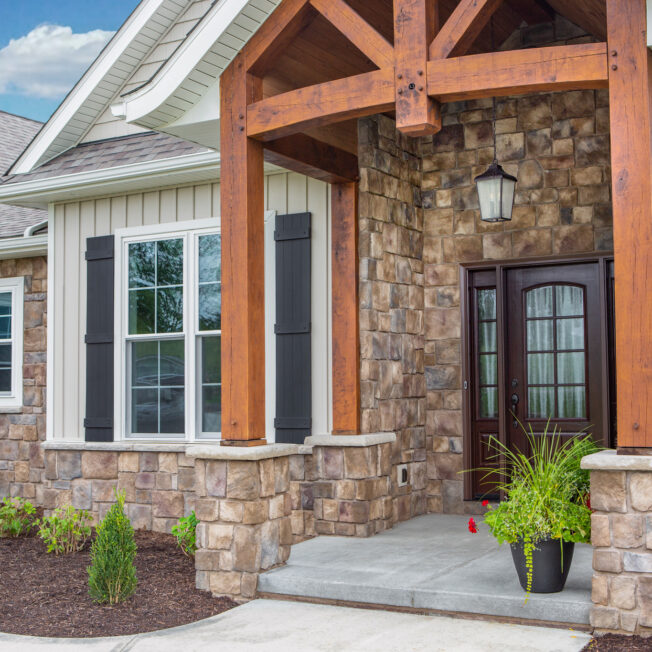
(431,563)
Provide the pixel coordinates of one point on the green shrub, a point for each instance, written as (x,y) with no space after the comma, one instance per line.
(16,517)
(112,574)
(185,534)
(66,531)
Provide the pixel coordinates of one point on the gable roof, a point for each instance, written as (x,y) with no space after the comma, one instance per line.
(15,133)
(102,81)
(196,64)
(161,39)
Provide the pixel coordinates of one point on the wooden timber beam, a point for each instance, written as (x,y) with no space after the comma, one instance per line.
(321,104)
(462,28)
(243,278)
(357,30)
(309,156)
(518,72)
(275,34)
(346,341)
(630,103)
(414,26)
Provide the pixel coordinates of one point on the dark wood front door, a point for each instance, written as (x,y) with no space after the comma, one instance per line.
(554,351)
(537,350)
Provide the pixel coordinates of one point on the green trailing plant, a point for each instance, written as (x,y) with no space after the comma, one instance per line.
(66,531)
(17,517)
(112,574)
(546,492)
(185,532)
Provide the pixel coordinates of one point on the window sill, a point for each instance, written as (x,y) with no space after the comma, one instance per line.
(11,409)
(117,446)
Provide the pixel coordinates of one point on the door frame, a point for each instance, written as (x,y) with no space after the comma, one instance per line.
(501,267)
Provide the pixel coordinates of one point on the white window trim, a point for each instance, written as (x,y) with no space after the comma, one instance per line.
(188,230)
(16,286)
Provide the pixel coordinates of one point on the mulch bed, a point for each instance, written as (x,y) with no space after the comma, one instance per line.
(47,595)
(616,643)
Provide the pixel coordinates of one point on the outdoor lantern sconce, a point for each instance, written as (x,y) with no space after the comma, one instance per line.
(496,193)
(495,187)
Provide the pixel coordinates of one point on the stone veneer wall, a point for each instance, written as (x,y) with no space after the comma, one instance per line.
(159,486)
(393,383)
(21,456)
(244,511)
(557,145)
(621,534)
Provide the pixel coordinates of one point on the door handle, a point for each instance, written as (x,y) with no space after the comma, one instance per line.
(515,400)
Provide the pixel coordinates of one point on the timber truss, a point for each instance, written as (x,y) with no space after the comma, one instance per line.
(427,64)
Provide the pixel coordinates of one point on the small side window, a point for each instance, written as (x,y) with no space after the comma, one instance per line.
(11,342)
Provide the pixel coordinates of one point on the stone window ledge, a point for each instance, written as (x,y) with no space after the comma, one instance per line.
(115,446)
(16,409)
(372,439)
(609,460)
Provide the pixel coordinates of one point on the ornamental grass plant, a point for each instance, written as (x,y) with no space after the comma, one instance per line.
(546,493)
(112,574)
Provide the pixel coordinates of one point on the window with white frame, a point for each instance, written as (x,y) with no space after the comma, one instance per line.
(171,334)
(11,342)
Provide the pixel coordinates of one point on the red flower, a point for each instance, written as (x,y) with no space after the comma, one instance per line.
(472,527)
(588,500)
(485,503)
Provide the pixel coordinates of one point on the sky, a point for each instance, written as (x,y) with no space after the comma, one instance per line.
(46,46)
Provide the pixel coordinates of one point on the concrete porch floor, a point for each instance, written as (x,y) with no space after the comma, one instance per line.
(430,563)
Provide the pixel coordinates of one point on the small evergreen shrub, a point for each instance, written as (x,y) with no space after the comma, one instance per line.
(185,534)
(112,574)
(16,517)
(66,531)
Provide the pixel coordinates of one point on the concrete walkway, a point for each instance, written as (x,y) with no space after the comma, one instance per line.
(430,562)
(278,626)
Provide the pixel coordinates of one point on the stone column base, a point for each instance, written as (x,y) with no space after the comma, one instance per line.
(352,491)
(243,505)
(621,534)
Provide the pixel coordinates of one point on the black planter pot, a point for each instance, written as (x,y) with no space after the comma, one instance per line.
(548,575)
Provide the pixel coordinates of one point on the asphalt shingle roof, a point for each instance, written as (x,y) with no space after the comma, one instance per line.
(15,134)
(114,152)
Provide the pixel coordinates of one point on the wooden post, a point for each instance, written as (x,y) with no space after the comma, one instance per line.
(346,340)
(414,28)
(243,279)
(631,140)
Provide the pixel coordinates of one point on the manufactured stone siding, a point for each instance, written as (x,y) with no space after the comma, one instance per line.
(419,220)
(557,145)
(21,455)
(393,384)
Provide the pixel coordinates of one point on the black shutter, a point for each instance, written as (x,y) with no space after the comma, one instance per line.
(293,379)
(99,338)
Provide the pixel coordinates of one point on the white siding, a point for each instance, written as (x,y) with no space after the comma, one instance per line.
(73,222)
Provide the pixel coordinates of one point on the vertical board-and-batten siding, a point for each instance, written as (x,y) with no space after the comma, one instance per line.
(75,221)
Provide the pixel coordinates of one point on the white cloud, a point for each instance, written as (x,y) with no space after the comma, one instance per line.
(47,62)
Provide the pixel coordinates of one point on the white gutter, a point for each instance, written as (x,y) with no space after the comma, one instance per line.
(158,169)
(167,80)
(31,230)
(24,247)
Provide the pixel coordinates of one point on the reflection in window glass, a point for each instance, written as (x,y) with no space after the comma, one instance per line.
(555,323)
(157,382)
(156,287)
(487,353)
(209,293)
(6,299)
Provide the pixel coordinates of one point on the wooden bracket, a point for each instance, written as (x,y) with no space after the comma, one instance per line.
(414,24)
(357,30)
